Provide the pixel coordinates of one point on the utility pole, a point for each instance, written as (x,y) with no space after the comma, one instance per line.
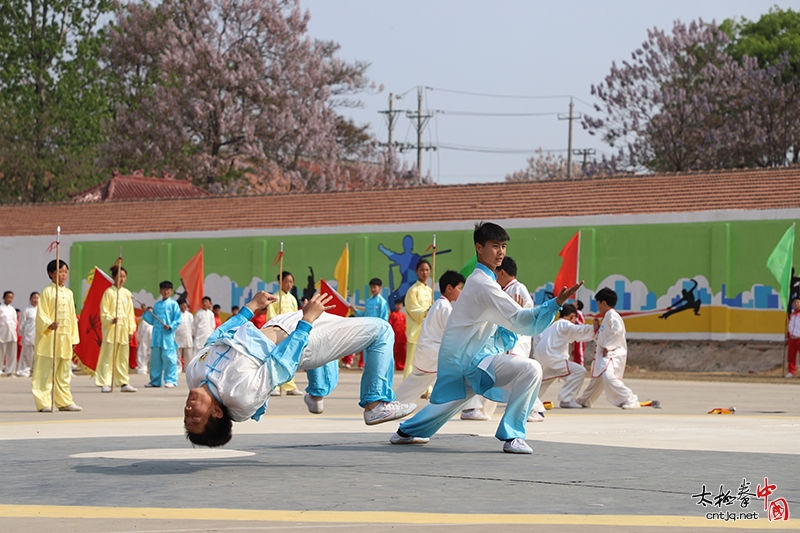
(586,152)
(391,116)
(422,120)
(571,117)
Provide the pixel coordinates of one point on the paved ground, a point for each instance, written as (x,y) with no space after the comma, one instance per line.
(123,465)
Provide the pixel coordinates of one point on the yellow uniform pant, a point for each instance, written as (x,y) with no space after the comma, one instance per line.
(289,385)
(411,349)
(105,362)
(42,382)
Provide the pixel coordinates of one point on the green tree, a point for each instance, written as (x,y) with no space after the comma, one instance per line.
(775,35)
(53,99)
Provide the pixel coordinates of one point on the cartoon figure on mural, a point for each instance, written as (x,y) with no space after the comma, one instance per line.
(311,288)
(406,262)
(689,300)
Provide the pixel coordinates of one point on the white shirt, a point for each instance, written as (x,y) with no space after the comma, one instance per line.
(611,339)
(426,358)
(552,350)
(794,325)
(183,335)
(144,334)
(203,326)
(8,323)
(514,288)
(27,326)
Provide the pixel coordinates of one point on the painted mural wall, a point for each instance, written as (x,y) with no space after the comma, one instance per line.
(699,280)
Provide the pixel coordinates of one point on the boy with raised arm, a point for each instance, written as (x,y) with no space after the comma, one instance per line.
(232,376)
(472,357)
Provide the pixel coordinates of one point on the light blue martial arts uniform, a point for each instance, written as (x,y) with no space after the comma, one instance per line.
(472,358)
(163,348)
(322,380)
(331,338)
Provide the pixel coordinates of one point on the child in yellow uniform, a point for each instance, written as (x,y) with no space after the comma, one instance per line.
(60,326)
(117,316)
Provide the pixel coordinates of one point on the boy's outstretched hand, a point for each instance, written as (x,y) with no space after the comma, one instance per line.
(261,301)
(316,306)
(566,293)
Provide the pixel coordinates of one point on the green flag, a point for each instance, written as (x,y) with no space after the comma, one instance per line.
(467,269)
(780,264)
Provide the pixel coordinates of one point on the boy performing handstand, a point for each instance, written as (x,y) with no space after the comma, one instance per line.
(232,376)
(471,357)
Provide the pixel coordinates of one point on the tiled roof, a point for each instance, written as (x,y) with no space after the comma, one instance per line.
(121,188)
(666,193)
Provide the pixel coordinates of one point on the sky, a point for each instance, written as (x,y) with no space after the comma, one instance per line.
(508,57)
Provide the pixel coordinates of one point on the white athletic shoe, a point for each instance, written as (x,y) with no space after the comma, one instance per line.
(170,386)
(71,407)
(386,411)
(314,406)
(473,414)
(46,410)
(105,388)
(517,446)
(632,405)
(789,375)
(536,417)
(128,388)
(398,439)
(572,404)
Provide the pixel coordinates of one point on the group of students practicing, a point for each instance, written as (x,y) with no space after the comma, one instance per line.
(477,348)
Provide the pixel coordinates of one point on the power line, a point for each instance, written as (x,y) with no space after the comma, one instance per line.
(520,97)
(478,114)
(490,150)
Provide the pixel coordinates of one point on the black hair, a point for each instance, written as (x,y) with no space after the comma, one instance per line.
(489,231)
(217,432)
(401,301)
(579,305)
(51,266)
(509,266)
(234,308)
(606,295)
(217,306)
(451,278)
(33,294)
(284,274)
(207,298)
(165,285)
(376,281)
(7,293)
(420,263)
(568,309)
(115,269)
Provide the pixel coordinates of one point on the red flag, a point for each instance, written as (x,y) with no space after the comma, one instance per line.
(340,305)
(568,275)
(89,325)
(277,259)
(193,280)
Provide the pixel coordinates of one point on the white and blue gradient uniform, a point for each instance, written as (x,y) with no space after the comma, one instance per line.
(241,365)
(472,359)
(265,365)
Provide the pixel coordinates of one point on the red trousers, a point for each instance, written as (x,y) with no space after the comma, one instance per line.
(791,355)
(400,354)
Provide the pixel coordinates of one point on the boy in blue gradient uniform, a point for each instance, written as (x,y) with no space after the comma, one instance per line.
(165,318)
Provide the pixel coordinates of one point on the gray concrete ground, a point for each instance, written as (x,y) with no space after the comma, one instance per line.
(123,465)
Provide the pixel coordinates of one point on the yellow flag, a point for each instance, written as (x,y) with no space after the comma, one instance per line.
(342,270)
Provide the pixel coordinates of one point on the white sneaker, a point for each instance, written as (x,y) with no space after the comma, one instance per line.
(294,392)
(632,405)
(473,414)
(170,386)
(314,406)
(535,417)
(516,446)
(386,411)
(128,388)
(275,392)
(398,439)
(789,375)
(105,388)
(46,410)
(572,404)
(71,407)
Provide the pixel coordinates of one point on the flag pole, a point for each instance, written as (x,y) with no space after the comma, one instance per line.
(154,315)
(280,281)
(578,265)
(347,278)
(55,319)
(433,266)
(118,264)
